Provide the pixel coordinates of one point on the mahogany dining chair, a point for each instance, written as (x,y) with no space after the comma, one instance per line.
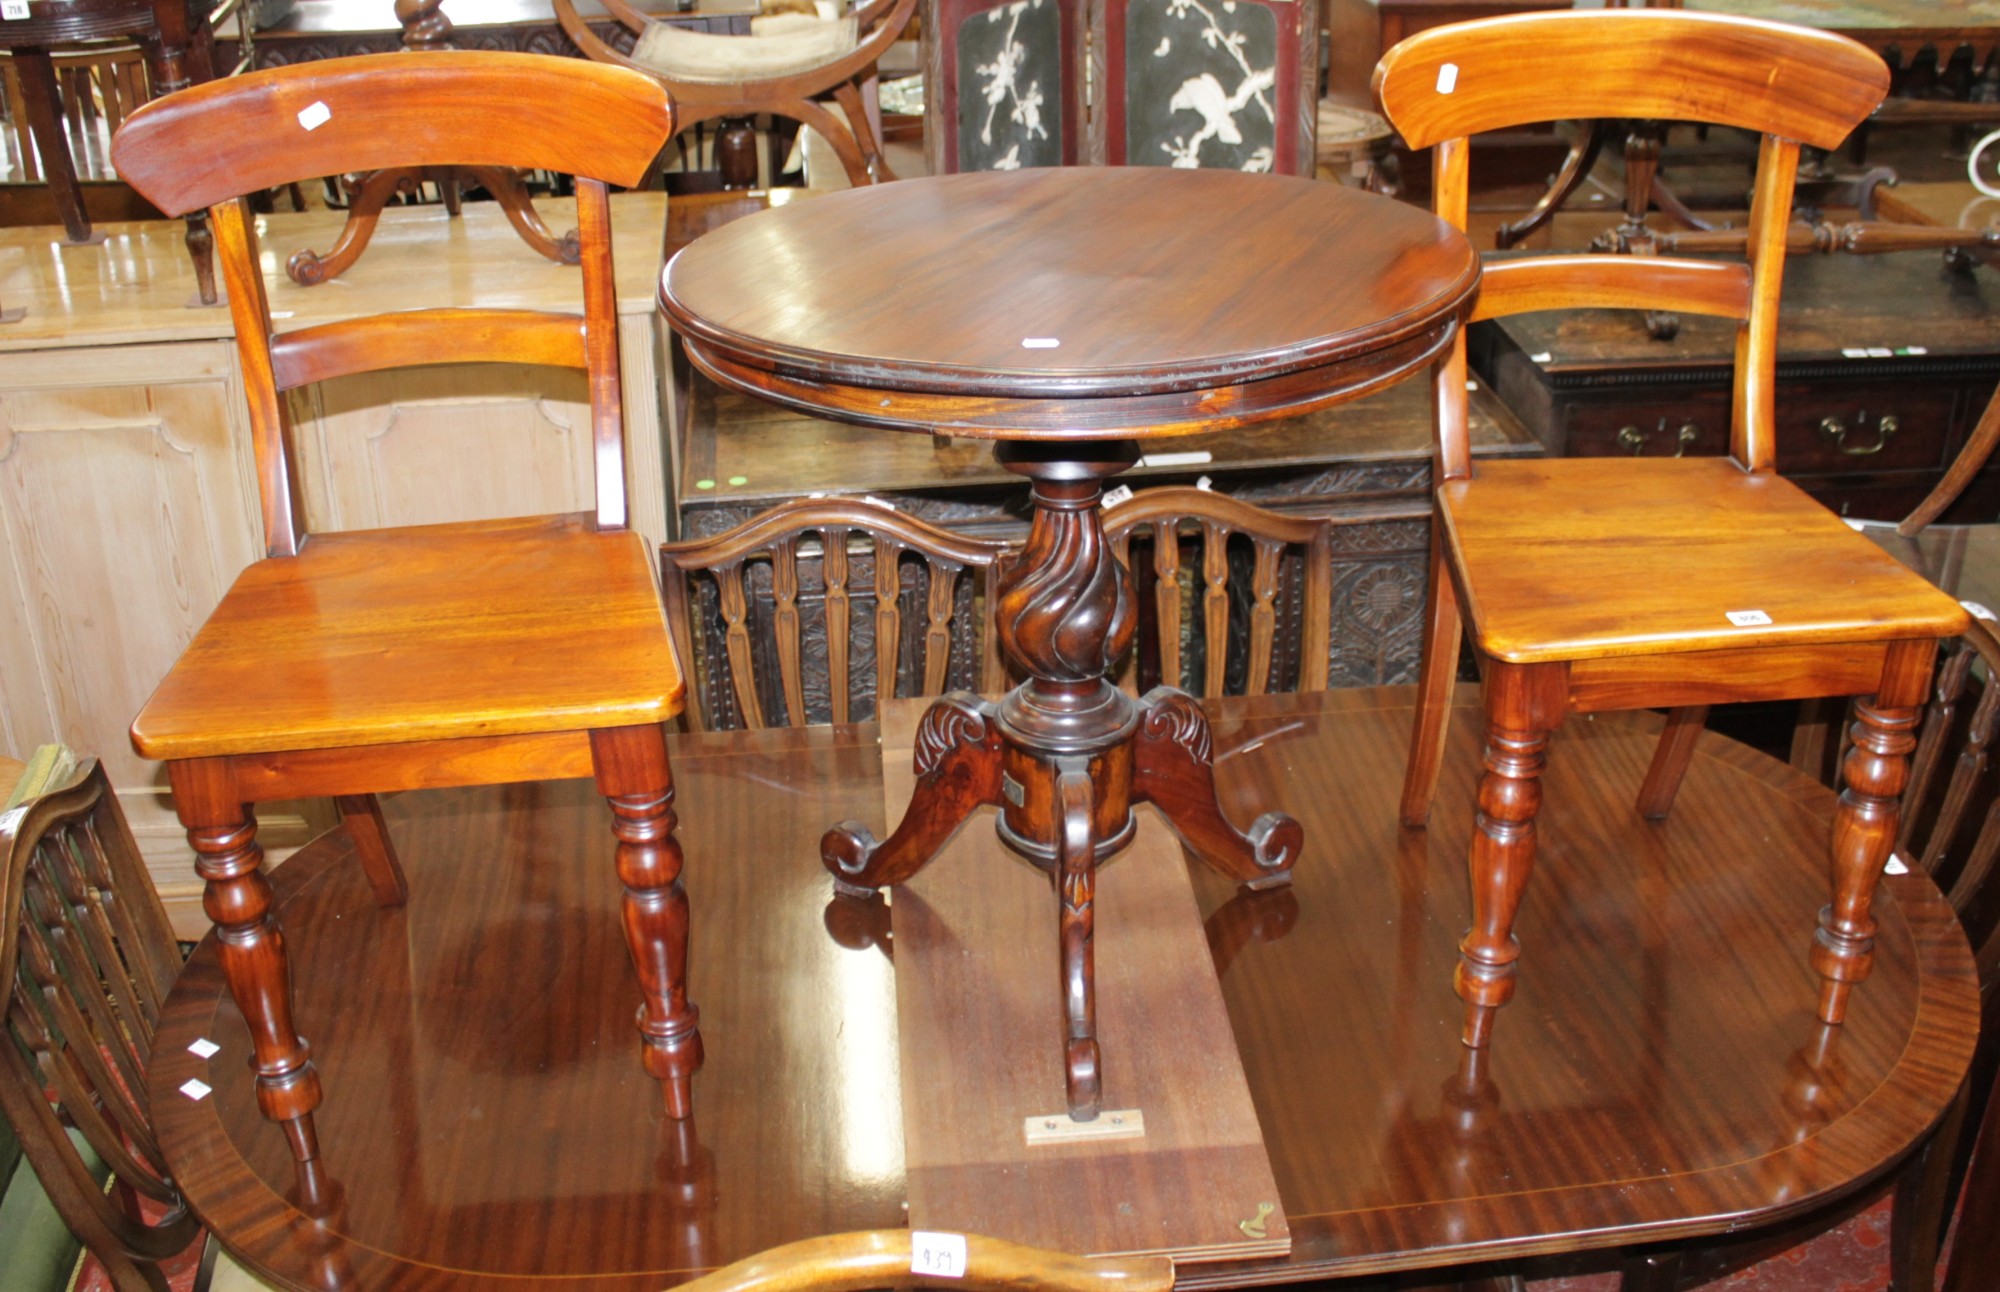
(436,655)
(832,664)
(1608,583)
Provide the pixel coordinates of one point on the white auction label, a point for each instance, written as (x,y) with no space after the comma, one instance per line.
(1447,78)
(203,1048)
(941,1256)
(314,115)
(195,1088)
(1747,618)
(11,9)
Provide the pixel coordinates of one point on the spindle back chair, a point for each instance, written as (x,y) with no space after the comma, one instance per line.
(812,548)
(368,661)
(1213,520)
(1613,583)
(888,1258)
(87,956)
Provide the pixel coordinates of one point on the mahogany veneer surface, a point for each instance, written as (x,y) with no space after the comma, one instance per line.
(1661,1073)
(1584,557)
(303,652)
(975,937)
(1236,277)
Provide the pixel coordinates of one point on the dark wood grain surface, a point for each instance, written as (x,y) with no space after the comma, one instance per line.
(1302,292)
(1661,1074)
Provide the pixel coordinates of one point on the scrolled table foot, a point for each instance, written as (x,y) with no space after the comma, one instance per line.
(957,761)
(1083,1074)
(1174,769)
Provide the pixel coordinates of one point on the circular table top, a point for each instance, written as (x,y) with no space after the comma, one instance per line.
(1084,302)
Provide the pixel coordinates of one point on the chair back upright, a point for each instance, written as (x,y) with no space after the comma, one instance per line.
(1792,85)
(209,146)
(87,957)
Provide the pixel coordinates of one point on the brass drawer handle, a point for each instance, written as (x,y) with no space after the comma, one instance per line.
(1885,426)
(1631,437)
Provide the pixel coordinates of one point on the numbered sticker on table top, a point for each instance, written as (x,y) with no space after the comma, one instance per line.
(941,1256)
(13,9)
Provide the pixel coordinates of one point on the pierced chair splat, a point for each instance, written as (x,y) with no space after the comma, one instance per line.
(820,550)
(369,661)
(1769,595)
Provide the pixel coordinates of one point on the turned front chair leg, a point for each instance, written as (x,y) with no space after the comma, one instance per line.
(1524,704)
(1864,825)
(633,776)
(249,944)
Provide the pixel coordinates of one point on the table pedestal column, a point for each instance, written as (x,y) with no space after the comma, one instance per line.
(1066,754)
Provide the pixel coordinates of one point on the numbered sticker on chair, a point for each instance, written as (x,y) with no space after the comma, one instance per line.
(1748,618)
(12,9)
(940,1256)
(1447,78)
(314,115)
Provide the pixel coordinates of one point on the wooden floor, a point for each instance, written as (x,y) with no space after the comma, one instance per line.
(1660,1071)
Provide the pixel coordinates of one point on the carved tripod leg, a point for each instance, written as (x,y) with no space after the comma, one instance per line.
(958,769)
(308,268)
(1864,825)
(1076,854)
(1173,769)
(1575,169)
(1523,705)
(633,776)
(249,944)
(508,190)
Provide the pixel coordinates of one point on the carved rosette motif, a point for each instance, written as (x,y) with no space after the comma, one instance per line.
(1174,715)
(956,719)
(1066,604)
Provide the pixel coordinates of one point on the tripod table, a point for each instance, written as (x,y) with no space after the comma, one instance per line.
(1069,315)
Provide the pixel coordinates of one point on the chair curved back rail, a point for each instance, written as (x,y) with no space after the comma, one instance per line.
(845,529)
(1165,513)
(87,956)
(1808,86)
(600,124)
(882,1258)
(206,145)
(1791,84)
(792,95)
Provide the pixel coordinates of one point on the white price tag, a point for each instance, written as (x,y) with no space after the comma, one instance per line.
(1447,78)
(195,1089)
(314,115)
(1112,497)
(941,1256)
(1895,865)
(12,9)
(203,1048)
(1040,342)
(1747,618)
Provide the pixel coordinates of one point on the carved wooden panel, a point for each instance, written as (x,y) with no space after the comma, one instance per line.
(126,510)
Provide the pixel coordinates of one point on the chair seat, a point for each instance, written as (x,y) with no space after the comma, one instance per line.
(781,46)
(1582,558)
(434,632)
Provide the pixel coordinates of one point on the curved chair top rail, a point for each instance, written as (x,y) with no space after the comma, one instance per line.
(807,515)
(1186,503)
(1672,65)
(880,1258)
(216,141)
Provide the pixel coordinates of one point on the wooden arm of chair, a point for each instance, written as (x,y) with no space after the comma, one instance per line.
(881,1258)
(1978,448)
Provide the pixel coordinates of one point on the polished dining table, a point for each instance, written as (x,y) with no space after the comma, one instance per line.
(1664,1076)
